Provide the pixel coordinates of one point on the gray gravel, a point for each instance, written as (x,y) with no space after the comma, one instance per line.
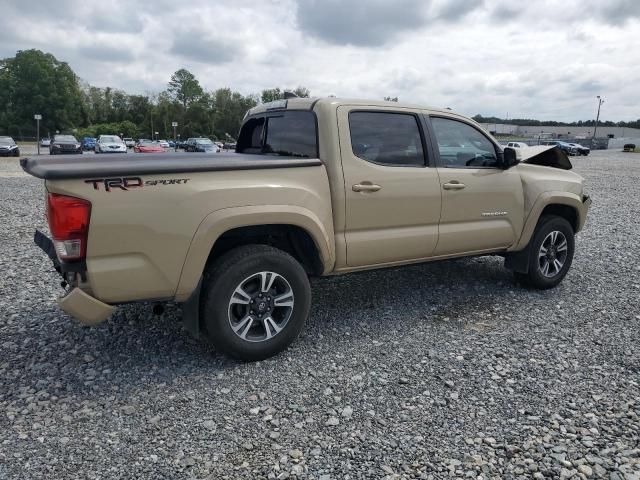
(431,371)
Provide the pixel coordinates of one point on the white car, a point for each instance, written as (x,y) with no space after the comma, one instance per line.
(45,142)
(163,143)
(517,145)
(110,144)
(129,142)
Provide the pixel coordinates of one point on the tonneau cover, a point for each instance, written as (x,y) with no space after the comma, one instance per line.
(114,165)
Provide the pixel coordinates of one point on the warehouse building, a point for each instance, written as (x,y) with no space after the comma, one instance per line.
(535,131)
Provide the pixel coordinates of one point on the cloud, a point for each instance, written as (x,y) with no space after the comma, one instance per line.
(454,10)
(548,58)
(372,23)
(102,21)
(617,12)
(105,53)
(201,48)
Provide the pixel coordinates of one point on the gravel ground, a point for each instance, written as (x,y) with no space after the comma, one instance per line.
(431,371)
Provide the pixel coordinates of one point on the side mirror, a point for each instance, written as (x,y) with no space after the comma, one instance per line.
(509,158)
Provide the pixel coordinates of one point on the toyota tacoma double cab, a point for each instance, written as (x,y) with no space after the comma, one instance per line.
(314,187)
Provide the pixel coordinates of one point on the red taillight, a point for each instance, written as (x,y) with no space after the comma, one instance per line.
(69,225)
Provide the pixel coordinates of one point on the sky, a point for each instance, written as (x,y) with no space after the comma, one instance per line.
(543,59)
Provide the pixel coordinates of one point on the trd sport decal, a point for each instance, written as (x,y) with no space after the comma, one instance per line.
(126,183)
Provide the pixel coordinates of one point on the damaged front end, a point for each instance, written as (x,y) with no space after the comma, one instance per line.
(545,155)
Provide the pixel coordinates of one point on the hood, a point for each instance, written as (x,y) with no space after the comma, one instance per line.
(65,142)
(112,144)
(545,155)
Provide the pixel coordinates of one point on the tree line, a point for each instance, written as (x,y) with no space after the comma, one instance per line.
(36,82)
(549,123)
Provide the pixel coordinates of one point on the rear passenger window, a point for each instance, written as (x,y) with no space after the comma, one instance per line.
(386,138)
(462,146)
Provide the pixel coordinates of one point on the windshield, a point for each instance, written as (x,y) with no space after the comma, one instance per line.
(65,138)
(146,142)
(7,141)
(110,139)
(204,141)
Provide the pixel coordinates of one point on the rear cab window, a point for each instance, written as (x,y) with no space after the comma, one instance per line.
(289,133)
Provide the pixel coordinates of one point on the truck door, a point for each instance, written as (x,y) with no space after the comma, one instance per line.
(392,190)
(482,204)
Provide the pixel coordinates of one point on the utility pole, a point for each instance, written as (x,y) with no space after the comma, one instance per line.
(595,129)
(175,144)
(37,117)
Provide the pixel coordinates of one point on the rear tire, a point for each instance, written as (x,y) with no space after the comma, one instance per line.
(255,300)
(550,253)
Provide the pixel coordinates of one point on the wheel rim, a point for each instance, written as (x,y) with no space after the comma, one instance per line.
(261,306)
(553,254)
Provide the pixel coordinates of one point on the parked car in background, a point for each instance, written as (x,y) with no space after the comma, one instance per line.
(63,144)
(171,143)
(88,143)
(204,145)
(230,146)
(147,146)
(45,142)
(110,144)
(629,147)
(129,142)
(564,146)
(581,149)
(163,143)
(181,144)
(8,147)
(517,145)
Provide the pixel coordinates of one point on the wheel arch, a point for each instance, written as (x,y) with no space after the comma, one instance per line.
(562,204)
(294,229)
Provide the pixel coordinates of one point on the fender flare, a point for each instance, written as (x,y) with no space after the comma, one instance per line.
(214,225)
(545,199)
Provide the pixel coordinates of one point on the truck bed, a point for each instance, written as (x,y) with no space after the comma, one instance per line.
(109,165)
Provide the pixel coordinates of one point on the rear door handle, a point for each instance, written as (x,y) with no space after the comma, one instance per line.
(453,185)
(365,187)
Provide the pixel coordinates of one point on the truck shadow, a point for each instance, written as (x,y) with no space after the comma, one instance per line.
(137,347)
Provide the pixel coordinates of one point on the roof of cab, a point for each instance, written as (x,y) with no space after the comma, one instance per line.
(310,103)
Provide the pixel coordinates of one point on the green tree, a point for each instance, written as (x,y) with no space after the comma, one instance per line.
(271,94)
(229,109)
(302,92)
(184,87)
(36,82)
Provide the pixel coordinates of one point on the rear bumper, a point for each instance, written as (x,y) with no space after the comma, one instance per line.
(77,303)
(85,308)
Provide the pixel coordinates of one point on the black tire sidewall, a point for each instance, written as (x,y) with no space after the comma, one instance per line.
(547,225)
(226,275)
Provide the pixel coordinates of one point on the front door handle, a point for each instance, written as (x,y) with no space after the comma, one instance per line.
(453,185)
(366,187)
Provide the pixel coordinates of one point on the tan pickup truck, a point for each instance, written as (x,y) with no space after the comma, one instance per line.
(315,187)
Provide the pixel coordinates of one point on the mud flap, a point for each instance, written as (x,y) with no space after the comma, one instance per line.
(517,261)
(191,313)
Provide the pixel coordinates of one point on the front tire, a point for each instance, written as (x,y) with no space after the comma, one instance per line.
(255,300)
(550,253)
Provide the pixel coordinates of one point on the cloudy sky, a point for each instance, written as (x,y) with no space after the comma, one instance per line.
(543,59)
